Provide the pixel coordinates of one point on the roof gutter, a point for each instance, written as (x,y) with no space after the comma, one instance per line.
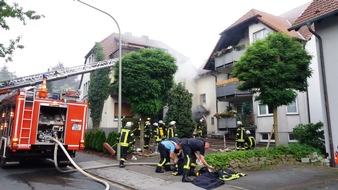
(326,98)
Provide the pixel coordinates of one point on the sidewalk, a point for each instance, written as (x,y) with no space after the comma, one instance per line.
(140,174)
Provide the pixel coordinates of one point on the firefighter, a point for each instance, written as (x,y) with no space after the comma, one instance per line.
(162,125)
(126,139)
(171,130)
(158,135)
(240,136)
(250,141)
(147,134)
(167,151)
(200,128)
(191,147)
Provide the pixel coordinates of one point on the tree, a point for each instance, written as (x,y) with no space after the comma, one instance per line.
(147,76)
(179,110)
(99,88)
(275,68)
(16,12)
(5,74)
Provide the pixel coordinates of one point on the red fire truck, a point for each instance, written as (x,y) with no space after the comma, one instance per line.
(29,118)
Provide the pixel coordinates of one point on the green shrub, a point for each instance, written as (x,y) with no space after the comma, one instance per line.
(310,134)
(88,140)
(101,138)
(221,160)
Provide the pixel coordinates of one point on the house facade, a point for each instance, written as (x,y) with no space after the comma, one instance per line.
(324,16)
(228,99)
(186,74)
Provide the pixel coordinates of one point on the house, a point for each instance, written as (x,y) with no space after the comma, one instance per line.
(324,16)
(186,73)
(232,44)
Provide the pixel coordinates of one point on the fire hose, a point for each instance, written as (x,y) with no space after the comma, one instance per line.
(82,170)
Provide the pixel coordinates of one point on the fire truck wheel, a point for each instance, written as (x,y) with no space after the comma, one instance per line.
(3,163)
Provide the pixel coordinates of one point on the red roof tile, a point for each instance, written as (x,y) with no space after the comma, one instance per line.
(316,10)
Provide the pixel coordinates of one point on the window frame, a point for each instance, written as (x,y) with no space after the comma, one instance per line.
(266,109)
(295,102)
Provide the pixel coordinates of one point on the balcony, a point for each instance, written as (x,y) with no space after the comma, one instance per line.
(229,56)
(227,90)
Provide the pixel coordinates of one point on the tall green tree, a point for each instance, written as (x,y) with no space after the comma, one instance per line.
(147,76)
(16,12)
(179,110)
(275,68)
(99,88)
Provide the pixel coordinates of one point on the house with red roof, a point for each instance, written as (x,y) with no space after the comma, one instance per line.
(257,117)
(323,16)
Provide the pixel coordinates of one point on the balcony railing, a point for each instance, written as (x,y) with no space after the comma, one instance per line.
(228,87)
(229,57)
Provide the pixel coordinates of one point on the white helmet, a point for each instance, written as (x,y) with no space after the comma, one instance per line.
(128,124)
(160,122)
(202,119)
(248,132)
(155,124)
(172,123)
(239,123)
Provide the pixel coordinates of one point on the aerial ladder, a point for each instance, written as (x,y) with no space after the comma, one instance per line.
(7,86)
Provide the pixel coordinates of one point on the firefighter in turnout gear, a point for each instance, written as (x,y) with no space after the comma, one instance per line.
(240,136)
(200,128)
(191,147)
(161,124)
(250,141)
(167,150)
(126,139)
(147,134)
(171,130)
(158,135)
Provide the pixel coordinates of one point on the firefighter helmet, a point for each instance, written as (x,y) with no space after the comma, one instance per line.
(172,123)
(160,122)
(239,123)
(128,125)
(201,120)
(248,132)
(155,124)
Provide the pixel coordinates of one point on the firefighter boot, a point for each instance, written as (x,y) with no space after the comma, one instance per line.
(159,169)
(185,176)
(167,167)
(192,171)
(122,164)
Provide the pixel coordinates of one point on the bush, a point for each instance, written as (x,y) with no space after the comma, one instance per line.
(101,138)
(88,140)
(310,134)
(221,160)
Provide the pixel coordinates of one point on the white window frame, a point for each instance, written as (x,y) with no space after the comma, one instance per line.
(265,140)
(293,104)
(266,109)
(260,34)
(203,99)
(291,140)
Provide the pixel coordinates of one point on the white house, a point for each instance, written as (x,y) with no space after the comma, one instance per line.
(252,26)
(186,73)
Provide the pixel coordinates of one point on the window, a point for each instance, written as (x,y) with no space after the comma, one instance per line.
(265,137)
(292,108)
(265,109)
(203,99)
(292,138)
(260,34)
(212,121)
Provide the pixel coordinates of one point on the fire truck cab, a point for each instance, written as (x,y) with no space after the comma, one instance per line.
(29,120)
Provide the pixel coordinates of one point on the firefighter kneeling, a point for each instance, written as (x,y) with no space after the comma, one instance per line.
(250,141)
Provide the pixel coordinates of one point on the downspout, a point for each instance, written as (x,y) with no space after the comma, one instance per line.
(326,98)
(217,122)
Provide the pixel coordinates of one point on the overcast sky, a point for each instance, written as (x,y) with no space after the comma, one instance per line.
(70,29)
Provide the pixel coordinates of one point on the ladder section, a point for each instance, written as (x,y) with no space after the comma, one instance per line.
(27,118)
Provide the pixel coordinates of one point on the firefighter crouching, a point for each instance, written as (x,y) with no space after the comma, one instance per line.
(240,137)
(191,147)
(126,139)
(250,141)
(167,151)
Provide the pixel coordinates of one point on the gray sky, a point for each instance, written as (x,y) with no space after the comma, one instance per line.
(70,29)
